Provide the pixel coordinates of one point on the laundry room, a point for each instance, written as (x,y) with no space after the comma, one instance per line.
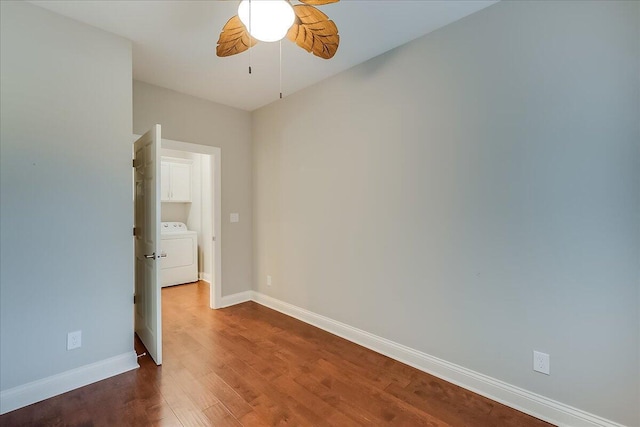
(186,211)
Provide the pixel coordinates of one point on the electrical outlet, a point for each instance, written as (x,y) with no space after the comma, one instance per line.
(74,340)
(268,280)
(541,362)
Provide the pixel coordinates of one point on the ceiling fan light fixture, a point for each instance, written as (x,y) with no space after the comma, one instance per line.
(266,20)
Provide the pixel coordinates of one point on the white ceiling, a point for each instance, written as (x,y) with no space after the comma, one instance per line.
(174,42)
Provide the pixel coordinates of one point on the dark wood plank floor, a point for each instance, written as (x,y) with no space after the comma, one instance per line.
(251,366)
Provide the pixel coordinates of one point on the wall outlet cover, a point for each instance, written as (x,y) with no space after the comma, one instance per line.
(268,280)
(74,340)
(541,362)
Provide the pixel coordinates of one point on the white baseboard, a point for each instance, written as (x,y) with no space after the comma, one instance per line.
(26,394)
(205,277)
(234,299)
(515,397)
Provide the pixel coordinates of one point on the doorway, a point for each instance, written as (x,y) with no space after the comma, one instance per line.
(208,214)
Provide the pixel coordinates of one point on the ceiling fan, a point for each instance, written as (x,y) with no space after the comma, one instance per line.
(272,20)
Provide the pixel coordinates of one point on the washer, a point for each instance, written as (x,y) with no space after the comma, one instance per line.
(181,246)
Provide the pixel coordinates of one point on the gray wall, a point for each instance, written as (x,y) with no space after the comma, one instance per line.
(65,194)
(474,195)
(189,119)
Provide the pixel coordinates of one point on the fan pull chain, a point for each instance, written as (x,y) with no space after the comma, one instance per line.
(250,38)
(280,69)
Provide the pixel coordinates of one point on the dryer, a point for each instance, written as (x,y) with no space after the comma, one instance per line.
(181,247)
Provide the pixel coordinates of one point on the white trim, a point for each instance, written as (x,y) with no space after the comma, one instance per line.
(234,299)
(523,400)
(26,394)
(205,277)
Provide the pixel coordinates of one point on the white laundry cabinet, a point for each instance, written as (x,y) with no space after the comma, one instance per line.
(175,180)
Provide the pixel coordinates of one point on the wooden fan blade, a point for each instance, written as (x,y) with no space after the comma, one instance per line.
(234,38)
(318,2)
(314,32)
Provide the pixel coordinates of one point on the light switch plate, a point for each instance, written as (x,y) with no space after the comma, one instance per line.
(235,217)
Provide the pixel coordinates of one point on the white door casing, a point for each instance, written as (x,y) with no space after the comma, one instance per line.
(148,297)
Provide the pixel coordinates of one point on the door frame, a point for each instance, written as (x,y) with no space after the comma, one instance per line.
(215,288)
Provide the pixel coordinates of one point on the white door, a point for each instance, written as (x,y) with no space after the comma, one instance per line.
(148,302)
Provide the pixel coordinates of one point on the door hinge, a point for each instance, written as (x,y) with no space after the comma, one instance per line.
(134,231)
(133,163)
(134,298)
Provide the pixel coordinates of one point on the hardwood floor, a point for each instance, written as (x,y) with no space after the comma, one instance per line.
(251,366)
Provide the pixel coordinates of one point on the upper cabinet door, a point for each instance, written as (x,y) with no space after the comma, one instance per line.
(175,180)
(165,185)
(180,182)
